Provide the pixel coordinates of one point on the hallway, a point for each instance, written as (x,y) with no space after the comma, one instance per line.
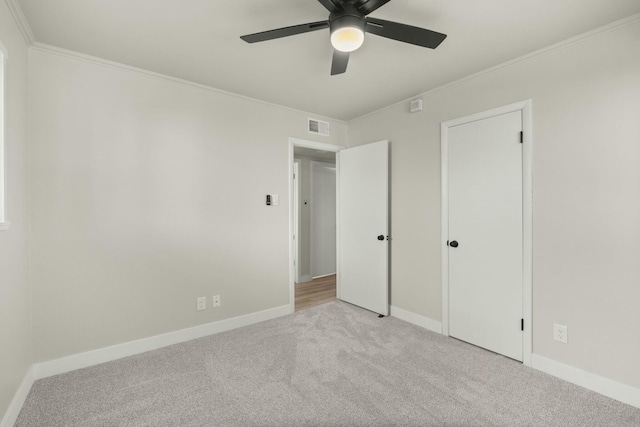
(318,291)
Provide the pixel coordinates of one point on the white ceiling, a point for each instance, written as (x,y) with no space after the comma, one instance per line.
(198,40)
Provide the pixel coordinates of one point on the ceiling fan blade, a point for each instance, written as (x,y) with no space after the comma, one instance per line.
(339,63)
(368,6)
(285,32)
(405,33)
(331,6)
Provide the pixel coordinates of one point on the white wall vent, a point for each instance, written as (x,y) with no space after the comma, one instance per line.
(318,127)
(416,105)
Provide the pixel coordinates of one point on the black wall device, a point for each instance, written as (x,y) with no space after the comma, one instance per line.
(268,199)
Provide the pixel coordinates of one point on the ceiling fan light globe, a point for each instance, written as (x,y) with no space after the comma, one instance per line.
(347,39)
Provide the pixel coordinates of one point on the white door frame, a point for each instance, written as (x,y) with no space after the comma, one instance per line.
(527,213)
(296,142)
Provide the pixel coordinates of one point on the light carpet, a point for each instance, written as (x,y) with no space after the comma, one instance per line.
(331,365)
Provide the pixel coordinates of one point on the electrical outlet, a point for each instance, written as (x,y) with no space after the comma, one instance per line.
(560,333)
(216,301)
(201,303)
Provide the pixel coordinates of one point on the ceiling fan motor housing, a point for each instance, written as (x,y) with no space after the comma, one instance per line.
(348,17)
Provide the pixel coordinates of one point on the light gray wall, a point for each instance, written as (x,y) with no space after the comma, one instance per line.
(586,110)
(147,194)
(304,219)
(323,219)
(15,312)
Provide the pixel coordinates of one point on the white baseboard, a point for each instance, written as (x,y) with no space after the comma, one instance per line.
(323,275)
(18,400)
(605,386)
(107,354)
(416,319)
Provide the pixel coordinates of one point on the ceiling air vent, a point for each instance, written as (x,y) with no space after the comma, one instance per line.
(319,128)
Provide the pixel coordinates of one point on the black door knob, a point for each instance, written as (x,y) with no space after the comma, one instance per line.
(381,237)
(453,244)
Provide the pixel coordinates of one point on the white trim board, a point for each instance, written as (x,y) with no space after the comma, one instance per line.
(605,386)
(107,354)
(316,145)
(527,216)
(18,400)
(323,275)
(416,319)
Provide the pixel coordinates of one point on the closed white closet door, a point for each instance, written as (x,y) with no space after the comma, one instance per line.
(323,219)
(485,233)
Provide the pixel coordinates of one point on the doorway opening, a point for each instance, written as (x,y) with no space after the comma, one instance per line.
(362,224)
(313,196)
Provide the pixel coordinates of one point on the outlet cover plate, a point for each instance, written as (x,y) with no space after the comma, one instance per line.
(216,301)
(560,333)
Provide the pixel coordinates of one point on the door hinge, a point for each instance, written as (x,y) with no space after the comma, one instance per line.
(522,324)
(521,137)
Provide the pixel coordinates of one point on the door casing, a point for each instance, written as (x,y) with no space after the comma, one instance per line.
(527,220)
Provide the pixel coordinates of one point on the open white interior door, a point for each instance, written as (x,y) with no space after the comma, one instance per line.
(363,221)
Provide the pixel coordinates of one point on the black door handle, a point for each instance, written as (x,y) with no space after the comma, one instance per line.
(453,244)
(381,237)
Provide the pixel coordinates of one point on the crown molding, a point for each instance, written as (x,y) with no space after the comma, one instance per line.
(21,21)
(581,38)
(50,49)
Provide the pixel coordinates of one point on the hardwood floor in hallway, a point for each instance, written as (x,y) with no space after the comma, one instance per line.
(316,292)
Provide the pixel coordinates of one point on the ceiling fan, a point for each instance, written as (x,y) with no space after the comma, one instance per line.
(347,23)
